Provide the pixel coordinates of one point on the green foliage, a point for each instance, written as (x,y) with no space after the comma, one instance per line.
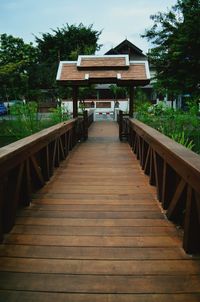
(64,43)
(82,107)
(25,69)
(59,114)
(193,106)
(16,58)
(67,43)
(182,139)
(175,55)
(183,127)
(24,120)
(118,92)
(140,96)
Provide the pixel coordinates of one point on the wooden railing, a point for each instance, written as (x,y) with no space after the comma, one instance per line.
(175,171)
(88,119)
(122,119)
(27,164)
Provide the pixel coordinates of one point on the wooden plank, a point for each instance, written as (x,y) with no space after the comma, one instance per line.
(109,253)
(52,201)
(94,231)
(24,296)
(100,267)
(145,222)
(144,241)
(99,284)
(94,215)
(123,196)
(97,207)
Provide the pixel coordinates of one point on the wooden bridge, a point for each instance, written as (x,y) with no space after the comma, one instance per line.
(96,231)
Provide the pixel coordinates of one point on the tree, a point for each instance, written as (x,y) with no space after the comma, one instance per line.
(118,92)
(176,36)
(30,71)
(64,43)
(16,58)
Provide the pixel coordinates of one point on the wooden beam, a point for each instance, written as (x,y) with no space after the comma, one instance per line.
(131,99)
(13,189)
(191,239)
(175,200)
(38,171)
(1,208)
(75,101)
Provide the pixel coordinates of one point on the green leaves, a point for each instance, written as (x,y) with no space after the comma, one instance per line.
(25,69)
(175,56)
(183,127)
(16,58)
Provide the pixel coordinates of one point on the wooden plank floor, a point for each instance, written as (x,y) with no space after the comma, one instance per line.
(96,233)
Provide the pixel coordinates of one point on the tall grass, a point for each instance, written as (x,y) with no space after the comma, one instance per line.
(25,120)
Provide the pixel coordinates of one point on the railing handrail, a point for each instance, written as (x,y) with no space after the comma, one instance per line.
(30,144)
(184,161)
(175,171)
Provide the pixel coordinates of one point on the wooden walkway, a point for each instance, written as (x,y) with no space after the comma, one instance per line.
(96,233)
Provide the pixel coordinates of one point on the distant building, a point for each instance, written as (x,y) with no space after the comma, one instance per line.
(102,98)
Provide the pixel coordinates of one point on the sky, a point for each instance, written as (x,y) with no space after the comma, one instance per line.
(118,19)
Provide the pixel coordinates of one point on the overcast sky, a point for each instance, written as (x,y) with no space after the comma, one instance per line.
(118,19)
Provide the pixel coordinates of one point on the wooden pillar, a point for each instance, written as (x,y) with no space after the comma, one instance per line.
(131,99)
(75,101)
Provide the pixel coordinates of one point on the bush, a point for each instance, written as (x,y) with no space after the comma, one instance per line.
(183,127)
(25,120)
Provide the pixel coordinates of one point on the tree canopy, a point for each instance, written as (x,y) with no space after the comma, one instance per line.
(67,43)
(25,69)
(175,36)
(16,58)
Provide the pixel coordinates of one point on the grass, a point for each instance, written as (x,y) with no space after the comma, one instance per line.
(24,120)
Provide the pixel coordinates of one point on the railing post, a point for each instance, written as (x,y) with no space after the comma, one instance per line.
(85,125)
(120,121)
(1,209)
(191,242)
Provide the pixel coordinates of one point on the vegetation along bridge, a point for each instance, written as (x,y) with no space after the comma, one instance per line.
(97,230)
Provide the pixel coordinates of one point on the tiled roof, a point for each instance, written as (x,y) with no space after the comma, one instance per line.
(101,69)
(102,62)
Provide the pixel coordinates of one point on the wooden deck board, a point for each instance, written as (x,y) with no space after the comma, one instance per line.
(96,232)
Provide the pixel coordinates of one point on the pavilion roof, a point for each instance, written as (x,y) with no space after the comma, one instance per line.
(103,69)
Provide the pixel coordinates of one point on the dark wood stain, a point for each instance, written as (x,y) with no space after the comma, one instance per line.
(95,232)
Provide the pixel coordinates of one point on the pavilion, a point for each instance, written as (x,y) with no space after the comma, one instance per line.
(112,69)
